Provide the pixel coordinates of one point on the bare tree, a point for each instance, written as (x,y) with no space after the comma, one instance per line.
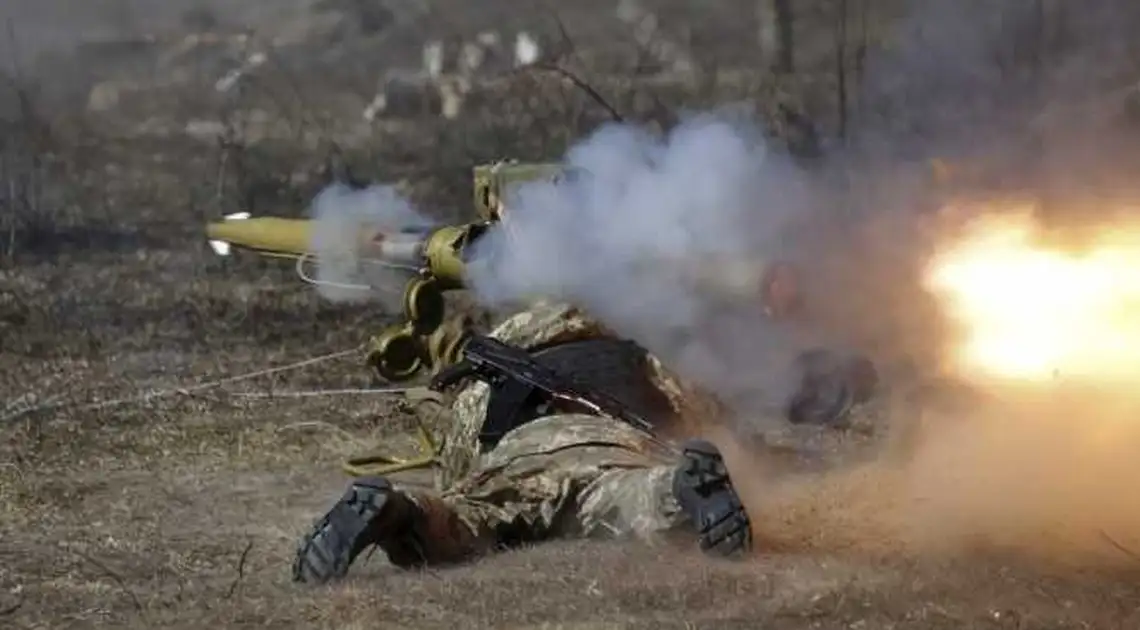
(776,35)
(841,77)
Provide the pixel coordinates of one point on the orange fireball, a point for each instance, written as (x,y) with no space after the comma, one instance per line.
(1032,310)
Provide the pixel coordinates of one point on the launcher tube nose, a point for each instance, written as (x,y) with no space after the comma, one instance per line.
(266,234)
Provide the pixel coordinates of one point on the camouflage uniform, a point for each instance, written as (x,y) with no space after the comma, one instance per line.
(569,475)
(542,324)
(564,475)
(561,475)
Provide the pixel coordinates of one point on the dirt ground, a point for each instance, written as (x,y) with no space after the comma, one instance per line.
(185,514)
(183,510)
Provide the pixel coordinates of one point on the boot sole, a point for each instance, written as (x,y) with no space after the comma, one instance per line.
(704,490)
(340,535)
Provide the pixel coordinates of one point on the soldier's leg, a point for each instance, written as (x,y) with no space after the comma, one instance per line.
(693,495)
(412,527)
(582,476)
(561,476)
(525,500)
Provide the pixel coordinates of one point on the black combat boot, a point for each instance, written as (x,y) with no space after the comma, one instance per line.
(705,493)
(371,512)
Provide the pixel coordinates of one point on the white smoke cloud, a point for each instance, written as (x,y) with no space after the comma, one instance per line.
(663,239)
(341,216)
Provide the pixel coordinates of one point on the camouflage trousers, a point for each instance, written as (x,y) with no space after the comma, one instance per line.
(561,476)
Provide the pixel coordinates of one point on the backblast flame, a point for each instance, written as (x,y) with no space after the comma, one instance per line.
(1032,311)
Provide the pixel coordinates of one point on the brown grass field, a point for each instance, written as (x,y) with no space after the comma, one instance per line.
(183,510)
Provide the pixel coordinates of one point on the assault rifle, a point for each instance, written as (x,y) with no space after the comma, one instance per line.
(522,389)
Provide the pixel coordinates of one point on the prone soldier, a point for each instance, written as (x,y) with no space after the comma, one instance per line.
(562,469)
(565,473)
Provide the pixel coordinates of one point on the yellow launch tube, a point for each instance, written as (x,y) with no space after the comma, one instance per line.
(264,234)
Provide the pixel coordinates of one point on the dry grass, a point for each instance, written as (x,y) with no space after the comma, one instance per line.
(189,520)
(183,512)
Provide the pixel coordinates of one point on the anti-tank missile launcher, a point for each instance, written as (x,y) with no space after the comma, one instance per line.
(433,261)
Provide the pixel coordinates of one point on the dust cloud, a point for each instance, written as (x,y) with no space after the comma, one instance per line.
(1026,98)
(1048,476)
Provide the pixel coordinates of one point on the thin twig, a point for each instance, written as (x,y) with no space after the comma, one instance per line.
(14,43)
(240,569)
(841,68)
(567,48)
(19,90)
(1119,547)
(223,171)
(114,576)
(585,87)
(306,111)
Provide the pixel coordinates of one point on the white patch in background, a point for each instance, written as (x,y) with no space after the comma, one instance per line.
(433,59)
(527,50)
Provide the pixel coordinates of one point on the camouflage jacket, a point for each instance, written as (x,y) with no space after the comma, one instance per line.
(542,323)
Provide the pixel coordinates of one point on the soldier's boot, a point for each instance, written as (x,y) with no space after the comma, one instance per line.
(412,530)
(704,491)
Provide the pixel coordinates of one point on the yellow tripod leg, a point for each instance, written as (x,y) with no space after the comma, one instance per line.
(379,464)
